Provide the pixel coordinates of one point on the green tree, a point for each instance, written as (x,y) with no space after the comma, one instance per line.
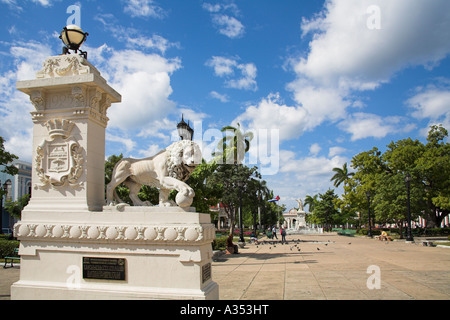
(206,193)
(6,160)
(311,202)
(15,207)
(232,183)
(434,172)
(341,175)
(232,147)
(325,211)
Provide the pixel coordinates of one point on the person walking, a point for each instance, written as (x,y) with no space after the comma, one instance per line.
(283,235)
(274,232)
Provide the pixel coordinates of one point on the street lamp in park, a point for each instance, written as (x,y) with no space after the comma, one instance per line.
(409,236)
(5,188)
(73,37)
(368,209)
(240,184)
(184,130)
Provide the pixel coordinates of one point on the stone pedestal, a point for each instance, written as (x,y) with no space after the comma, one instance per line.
(71,100)
(71,246)
(136,253)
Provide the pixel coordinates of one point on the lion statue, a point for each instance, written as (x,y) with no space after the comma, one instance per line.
(168,170)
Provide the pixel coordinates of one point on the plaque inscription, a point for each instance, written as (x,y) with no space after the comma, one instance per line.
(104,268)
(206,272)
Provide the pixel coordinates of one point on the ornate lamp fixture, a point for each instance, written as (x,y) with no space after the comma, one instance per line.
(73,37)
(184,130)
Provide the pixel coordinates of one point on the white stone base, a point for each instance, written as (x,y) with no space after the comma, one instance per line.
(35,290)
(167,254)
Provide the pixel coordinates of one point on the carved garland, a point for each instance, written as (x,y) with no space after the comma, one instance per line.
(166,234)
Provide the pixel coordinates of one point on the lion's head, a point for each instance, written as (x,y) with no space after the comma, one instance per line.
(183,157)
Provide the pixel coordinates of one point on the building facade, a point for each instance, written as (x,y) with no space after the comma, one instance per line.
(16,187)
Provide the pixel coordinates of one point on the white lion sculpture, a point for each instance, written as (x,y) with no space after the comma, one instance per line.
(167,171)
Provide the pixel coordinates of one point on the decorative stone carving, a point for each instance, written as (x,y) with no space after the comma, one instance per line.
(59,161)
(116,233)
(37,99)
(62,66)
(167,171)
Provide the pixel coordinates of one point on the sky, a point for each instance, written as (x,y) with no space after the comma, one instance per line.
(316,81)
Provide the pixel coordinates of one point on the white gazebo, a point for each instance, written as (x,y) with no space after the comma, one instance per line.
(295,218)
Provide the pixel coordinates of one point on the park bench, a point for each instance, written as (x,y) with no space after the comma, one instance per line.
(12,259)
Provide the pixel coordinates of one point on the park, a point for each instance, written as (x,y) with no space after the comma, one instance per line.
(200,219)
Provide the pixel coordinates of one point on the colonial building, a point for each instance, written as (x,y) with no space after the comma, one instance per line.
(15,186)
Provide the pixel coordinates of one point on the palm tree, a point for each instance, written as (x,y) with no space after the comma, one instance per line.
(341,175)
(311,202)
(234,146)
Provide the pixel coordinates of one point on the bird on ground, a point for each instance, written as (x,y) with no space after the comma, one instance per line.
(318,249)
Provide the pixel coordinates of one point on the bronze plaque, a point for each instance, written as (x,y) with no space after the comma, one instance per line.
(206,272)
(104,268)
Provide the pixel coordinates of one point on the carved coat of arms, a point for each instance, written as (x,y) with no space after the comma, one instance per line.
(59,161)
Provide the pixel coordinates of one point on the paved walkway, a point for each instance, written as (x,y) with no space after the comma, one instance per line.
(323,267)
(335,267)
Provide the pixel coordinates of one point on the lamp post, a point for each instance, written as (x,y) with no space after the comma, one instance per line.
(5,188)
(241,230)
(73,37)
(368,209)
(184,130)
(409,236)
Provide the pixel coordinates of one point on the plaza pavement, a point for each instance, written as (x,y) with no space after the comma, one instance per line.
(327,267)
(334,267)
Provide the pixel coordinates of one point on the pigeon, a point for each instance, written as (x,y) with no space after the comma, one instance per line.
(349,243)
(326,244)
(318,249)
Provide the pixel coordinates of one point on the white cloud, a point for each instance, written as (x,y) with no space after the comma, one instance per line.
(314,149)
(247,81)
(144,8)
(270,113)
(222,66)
(347,55)
(302,176)
(128,143)
(334,151)
(344,52)
(150,151)
(228,67)
(431,103)
(364,125)
(228,26)
(221,97)
(321,103)
(132,37)
(15,121)
(143,80)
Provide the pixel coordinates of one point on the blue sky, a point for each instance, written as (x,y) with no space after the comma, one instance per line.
(324,80)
